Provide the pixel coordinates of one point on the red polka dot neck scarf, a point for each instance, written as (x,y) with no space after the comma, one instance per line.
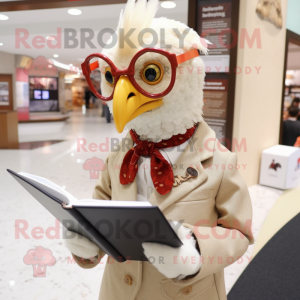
(161,171)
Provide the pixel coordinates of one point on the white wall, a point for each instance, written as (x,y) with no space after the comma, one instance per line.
(7,66)
(258,96)
(293,22)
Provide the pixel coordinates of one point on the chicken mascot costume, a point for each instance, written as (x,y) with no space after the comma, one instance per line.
(152,79)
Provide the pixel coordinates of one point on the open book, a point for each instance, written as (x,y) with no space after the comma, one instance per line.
(68,200)
(117,227)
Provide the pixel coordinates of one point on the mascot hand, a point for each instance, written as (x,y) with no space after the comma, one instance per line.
(80,245)
(175,262)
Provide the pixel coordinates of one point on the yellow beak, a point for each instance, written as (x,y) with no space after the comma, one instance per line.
(128,103)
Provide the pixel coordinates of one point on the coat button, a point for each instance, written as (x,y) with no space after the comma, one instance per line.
(128,280)
(192,172)
(187,290)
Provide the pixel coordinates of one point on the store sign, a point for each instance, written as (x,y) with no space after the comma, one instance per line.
(215,105)
(22,93)
(215,26)
(4,93)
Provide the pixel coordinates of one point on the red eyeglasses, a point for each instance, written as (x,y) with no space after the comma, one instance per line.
(151,71)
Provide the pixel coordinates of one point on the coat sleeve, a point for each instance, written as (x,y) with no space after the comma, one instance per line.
(225,241)
(102,191)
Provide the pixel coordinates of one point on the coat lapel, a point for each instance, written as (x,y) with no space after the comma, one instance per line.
(199,149)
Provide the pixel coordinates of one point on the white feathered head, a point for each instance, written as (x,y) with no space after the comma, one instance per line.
(181,108)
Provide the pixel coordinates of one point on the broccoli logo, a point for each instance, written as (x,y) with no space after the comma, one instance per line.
(94,165)
(39,258)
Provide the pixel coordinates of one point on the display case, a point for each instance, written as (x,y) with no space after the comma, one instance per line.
(43,94)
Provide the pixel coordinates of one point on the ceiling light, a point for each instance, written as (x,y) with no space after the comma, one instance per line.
(74,12)
(3,17)
(1,44)
(50,38)
(168,4)
(55,55)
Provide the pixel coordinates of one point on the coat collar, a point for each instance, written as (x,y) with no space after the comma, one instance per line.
(199,148)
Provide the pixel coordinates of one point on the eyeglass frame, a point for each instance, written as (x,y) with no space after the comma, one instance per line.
(175,61)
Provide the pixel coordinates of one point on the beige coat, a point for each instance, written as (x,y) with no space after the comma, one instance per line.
(215,205)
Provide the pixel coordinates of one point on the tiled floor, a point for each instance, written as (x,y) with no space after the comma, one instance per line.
(63,164)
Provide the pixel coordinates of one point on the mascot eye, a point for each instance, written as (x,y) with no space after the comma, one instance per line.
(108,76)
(152,73)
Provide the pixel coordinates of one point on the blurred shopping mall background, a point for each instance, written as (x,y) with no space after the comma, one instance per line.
(47,111)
